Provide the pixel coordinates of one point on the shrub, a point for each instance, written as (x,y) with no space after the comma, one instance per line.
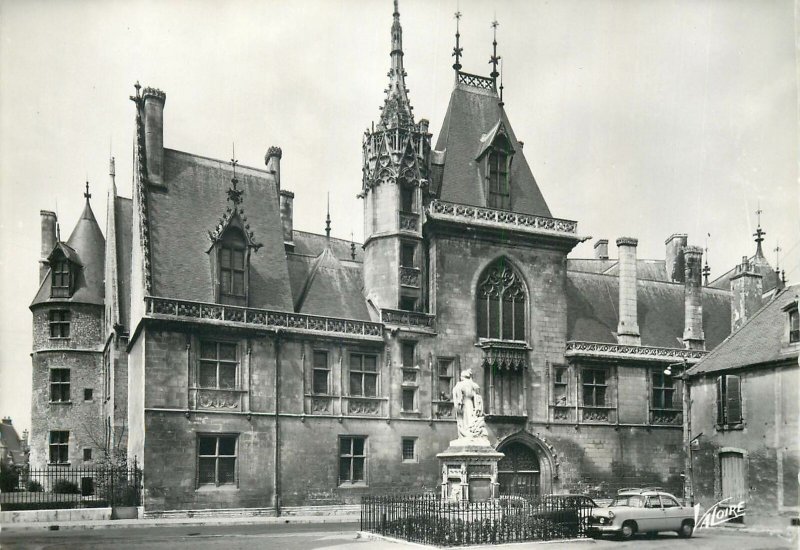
(34,486)
(66,487)
(9,478)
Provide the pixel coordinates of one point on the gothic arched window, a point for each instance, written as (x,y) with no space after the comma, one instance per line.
(501,307)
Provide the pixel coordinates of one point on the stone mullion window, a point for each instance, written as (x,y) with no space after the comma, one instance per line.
(663,396)
(499,193)
(61,282)
(320,373)
(219,366)
(216,459)
(594,387)
(59,323)
(501,304)
(59,385)
(59,447)
(363,375)
(794,326)
(410,382)
(352,459)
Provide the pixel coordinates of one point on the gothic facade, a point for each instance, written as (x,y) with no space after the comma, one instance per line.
(250,365)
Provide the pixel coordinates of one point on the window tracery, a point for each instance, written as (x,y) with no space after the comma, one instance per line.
(501,303)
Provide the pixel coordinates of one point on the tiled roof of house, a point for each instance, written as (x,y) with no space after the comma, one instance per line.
(471,114)
(762,339)
(593,299)
(190,205)
(85,247)
(327,286)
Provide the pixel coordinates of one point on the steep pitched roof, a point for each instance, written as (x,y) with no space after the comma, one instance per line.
(13,444)
(769,276)
(592,301)
(763,339)
(651,270)
(86,247)
(472,114)
(327,286)
(312,244)
(181,214)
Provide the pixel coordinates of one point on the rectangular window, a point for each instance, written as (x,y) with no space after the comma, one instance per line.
(407,255)
(407,199)
(363,375)
(216,459)
(445,379)
(60,287)
(59,323)
(319,382)
(409,397)
(729,400)
(663,391)
(59,447)
(594,387)
(218,365)
(499,196)
(408,354)
(59,385)
(232,268)
(560,385)
(352,459)
(408,303)
(87,454)
(409,449)
(87,394)
(794,326)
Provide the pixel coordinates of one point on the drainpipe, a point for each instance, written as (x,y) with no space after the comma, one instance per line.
(277,487)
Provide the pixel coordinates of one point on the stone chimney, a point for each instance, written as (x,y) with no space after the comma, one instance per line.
(273,161)
(287,207)
(693,337)
(673,259)
(48,241)
(154,134)
(746,289)
(601,249)
(628,328)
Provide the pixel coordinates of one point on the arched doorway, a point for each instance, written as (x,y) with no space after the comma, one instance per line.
(520,470)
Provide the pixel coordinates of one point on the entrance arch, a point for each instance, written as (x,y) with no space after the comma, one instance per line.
(528,466)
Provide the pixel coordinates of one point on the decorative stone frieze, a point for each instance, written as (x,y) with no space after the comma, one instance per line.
(408,318)
(501,219)
(596,349)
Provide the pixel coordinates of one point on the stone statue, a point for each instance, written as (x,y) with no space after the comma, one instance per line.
(469,408)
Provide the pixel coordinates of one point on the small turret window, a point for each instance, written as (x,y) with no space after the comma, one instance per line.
(61,286)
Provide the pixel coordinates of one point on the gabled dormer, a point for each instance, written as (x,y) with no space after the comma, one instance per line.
(231,244)
(64,268)
(494,160)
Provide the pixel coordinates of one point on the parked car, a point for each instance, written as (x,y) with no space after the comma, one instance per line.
(642,511)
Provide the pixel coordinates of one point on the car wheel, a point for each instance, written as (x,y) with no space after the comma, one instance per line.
(686,530)
(628,529)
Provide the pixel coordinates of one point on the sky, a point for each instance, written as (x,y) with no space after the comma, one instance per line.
(640,118)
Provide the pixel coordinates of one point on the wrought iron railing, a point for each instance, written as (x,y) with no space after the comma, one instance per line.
(262,318)
(408,318)
(476,81)
(516,220)
(64,487)
(427,519)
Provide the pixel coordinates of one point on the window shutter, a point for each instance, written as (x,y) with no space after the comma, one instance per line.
(720,404)
(733,399)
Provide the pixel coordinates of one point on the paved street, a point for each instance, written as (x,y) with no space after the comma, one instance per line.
(338,536)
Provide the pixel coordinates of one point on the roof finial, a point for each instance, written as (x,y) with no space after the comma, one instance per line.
(759,234)
(328,216)
(112,171)
(352,247)
(87,194)
(495,58)
(706,269)
(458,49)
(777,251)
(501,84)
(234,193)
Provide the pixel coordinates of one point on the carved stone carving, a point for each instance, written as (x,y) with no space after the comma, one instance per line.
(370,407)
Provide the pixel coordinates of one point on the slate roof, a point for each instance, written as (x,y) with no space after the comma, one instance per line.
(191,204)
(312,244)
(593,299)
(327,286)
(769,277)
(12,443)
(762,339)
(471,114)
(123,212)
(86,246)
(651,270)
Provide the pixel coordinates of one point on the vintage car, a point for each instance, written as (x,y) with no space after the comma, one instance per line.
(642,511)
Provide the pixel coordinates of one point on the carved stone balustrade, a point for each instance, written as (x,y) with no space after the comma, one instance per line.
(504,354)
(167,308)
(411,319)
(619,351)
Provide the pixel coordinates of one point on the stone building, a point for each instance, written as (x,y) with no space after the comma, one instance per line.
(247,364)
(744,409)
(13,448)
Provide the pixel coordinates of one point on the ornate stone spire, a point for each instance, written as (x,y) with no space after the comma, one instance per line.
(396,110)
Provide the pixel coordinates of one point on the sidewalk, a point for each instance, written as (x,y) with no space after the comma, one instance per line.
(170,522)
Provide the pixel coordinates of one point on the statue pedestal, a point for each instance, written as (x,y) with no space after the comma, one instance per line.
(469,470)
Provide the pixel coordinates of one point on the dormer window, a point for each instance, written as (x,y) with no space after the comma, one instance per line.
(499,193)
(794,326)
(232,267)
(61,286)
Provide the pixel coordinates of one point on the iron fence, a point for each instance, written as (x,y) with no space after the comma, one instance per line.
(58,487)
(427,519)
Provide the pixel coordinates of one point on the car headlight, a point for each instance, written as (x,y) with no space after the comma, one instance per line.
(611,514)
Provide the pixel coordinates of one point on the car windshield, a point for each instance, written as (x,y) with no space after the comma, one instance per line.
(634,501)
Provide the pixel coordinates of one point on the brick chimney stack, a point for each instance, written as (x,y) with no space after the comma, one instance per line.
(746,289)
(673,259)
(628,328)
(693,336)
(154,134)
(601,249)
(48,241)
